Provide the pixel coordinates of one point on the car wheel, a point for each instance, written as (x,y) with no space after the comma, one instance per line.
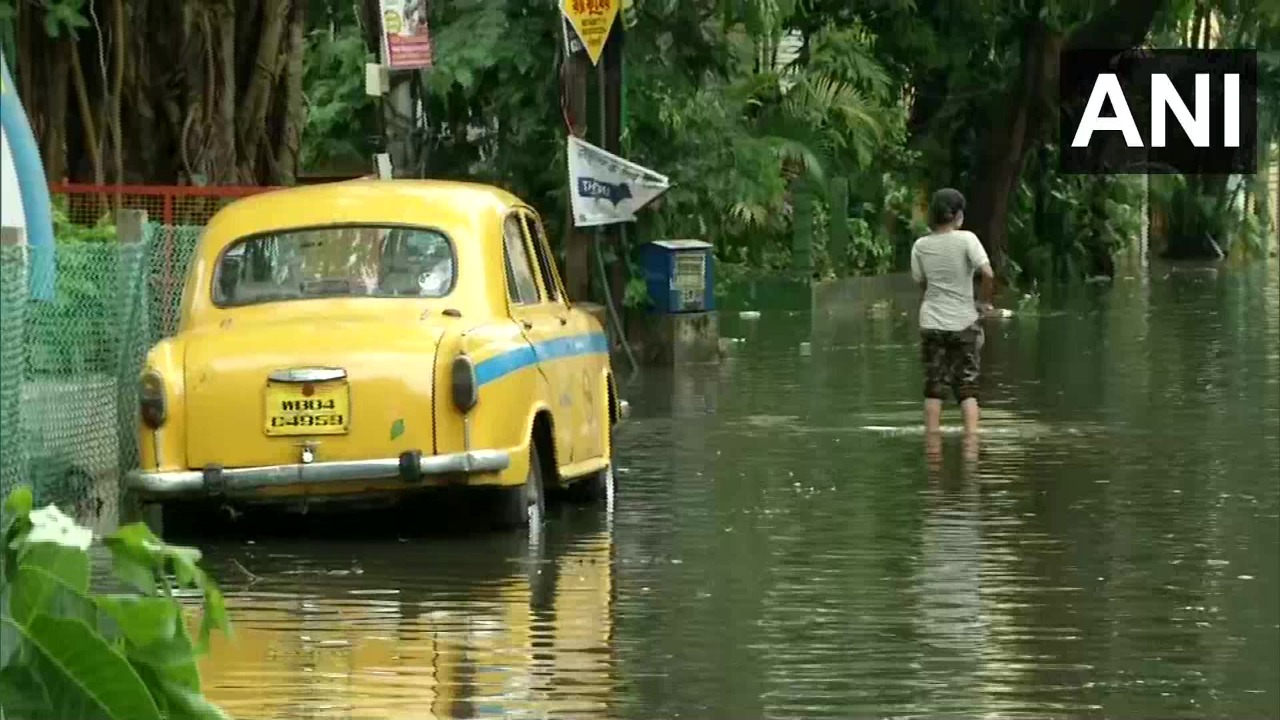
(152,515)
(599,486)
(595,488)
(183,519)
(525,506)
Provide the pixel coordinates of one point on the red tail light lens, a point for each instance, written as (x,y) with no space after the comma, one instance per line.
(151,403)
(466,391)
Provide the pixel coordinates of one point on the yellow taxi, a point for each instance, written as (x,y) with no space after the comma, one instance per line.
(362,340)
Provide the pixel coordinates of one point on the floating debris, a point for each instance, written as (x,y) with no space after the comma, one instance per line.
(749,314)
(806,349)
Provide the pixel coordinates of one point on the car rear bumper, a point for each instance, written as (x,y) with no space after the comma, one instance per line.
(412,468)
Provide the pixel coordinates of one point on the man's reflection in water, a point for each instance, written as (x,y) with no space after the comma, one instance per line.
(949,581)
(970,448)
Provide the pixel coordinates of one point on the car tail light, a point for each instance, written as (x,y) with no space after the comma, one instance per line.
(466,391)
(151,402)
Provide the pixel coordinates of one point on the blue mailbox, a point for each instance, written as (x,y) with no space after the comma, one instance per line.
(679,275)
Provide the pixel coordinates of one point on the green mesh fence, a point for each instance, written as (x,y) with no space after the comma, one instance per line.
(13,295)
(168,257)
(70,365)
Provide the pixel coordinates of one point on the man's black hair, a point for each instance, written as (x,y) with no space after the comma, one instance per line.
(945,205)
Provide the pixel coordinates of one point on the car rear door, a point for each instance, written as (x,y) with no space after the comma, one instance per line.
(583,367)
(543,325)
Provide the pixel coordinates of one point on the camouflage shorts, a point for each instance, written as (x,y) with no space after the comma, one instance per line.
(951,360)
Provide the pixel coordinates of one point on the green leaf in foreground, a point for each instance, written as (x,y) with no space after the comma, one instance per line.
(36,591)
(187,704)
(71,654)
(142,621)
(87,668)
(68,564)
(17,505)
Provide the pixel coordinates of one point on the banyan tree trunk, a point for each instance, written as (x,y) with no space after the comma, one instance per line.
(191,92)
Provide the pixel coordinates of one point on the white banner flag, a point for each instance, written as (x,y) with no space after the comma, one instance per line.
(605,189)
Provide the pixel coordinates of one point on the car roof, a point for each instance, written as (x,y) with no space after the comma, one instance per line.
(447,204)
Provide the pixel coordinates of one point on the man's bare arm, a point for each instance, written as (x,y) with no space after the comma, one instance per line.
(987,291)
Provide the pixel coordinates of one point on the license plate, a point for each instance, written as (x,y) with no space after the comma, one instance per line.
(291,411)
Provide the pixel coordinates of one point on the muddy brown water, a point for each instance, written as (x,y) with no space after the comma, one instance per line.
(786,543)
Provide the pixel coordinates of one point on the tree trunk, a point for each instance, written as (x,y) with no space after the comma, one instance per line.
(251,118)
(120,41)
(220,151)
(289,138)
(204,91)
(92,150)
(1026,112)
(53,145)
(1016,122)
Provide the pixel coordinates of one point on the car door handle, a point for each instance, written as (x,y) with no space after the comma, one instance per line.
(526,324)
(563,321)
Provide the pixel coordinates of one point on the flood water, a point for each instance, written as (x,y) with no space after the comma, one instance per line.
(786,544)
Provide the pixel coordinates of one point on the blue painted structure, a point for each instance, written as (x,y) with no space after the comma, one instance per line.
(673,290)
(33,186)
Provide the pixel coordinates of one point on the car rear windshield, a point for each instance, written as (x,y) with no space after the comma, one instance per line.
(335,261)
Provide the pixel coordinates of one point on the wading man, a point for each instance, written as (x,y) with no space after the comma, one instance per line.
(943,263)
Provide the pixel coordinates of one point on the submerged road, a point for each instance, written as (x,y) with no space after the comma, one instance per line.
(786,543)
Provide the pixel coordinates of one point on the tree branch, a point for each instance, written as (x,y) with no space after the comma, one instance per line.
(252,117)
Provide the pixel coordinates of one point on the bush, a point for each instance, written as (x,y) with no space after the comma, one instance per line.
(69,653)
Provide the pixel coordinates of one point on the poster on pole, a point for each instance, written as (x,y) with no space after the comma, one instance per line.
(592,20)
(406,40)
(605,189)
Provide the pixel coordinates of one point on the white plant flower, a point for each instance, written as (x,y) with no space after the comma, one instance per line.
(51,525)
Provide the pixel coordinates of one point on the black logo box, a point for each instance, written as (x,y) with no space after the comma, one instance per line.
(1107,152)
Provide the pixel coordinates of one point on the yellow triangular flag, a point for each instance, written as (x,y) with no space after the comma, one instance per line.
(592,19)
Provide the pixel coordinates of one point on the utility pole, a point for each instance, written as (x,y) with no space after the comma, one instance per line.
(577,246)
(407,38)
(400,118)
(611,93)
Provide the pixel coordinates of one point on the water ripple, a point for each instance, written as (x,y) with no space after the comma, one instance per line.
(788,543)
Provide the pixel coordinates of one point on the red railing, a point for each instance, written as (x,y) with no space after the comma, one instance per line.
(166,204)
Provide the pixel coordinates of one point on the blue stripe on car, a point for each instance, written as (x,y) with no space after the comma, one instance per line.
(508,362)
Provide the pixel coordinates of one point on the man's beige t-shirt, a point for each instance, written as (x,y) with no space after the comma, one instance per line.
(946,262)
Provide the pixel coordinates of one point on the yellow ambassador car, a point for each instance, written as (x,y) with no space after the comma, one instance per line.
(361,340)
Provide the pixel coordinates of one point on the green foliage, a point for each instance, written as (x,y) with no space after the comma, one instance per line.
(731,137)
(86,298)
(64,16)
(61,18)
(341,127)
(66,231)
(892,95)
(1064,228)
(69,652)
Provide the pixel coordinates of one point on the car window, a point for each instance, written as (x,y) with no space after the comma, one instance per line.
(546,264)
(520,284)
(335,261)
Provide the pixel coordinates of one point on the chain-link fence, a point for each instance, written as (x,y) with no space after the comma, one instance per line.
(70,365)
